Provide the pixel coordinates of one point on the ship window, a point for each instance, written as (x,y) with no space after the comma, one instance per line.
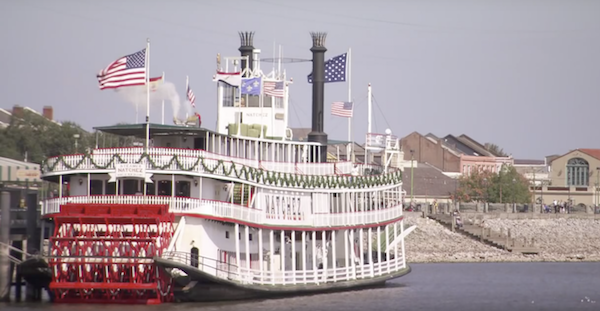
(230,94)
(150,189)
(110,188)
(254,101)
(130,186)
(96,187)
(164,188)
(278,102)
(227,234)
(182,188)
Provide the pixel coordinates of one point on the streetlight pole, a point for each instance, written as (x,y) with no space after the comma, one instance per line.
(542,184)
(412,167)
(514,196)
(597,185)
(76,136)
(533,202)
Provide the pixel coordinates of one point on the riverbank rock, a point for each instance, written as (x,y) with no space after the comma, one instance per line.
(558,240)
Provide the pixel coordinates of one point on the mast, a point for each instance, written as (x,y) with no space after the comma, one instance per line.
(147,94)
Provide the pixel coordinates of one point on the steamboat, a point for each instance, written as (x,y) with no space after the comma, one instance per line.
(241,211)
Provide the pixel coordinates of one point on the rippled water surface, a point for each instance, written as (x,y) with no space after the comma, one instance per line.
(469,286)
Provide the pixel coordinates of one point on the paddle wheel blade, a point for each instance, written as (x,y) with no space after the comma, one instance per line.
(104,253)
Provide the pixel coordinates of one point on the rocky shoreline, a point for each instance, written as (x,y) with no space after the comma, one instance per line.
(559,240)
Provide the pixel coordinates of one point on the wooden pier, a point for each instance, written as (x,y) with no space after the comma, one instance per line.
(502,240)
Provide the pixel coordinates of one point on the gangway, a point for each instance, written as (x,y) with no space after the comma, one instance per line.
(13,258)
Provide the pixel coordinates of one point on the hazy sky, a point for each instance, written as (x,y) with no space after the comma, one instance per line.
(522,74)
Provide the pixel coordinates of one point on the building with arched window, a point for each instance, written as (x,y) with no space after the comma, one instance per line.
(574,177)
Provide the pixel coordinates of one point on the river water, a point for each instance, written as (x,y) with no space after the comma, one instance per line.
(456,286)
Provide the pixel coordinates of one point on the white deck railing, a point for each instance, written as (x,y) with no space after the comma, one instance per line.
(104,159)
(243,275)
(226,210)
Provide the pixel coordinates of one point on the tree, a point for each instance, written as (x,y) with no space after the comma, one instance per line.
(474,187)
(509,187)
(495,150)
(34,138)
(506,186)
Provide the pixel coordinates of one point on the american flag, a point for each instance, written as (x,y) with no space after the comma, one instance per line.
(191,97)
(273,88)
(335,69)
(342,109)
(125,71)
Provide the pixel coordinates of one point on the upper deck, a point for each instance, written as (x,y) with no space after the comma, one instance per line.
(200,152)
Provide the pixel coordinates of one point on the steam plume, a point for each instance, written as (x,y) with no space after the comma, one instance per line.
(136,95)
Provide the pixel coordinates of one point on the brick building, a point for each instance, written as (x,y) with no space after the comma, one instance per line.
(18,111)
(452,154)
(431,150)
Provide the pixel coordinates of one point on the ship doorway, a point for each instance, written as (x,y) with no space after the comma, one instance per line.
(200,143)
(194,258)
(182,189)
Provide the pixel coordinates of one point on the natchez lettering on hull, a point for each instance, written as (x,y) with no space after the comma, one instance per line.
(289,207)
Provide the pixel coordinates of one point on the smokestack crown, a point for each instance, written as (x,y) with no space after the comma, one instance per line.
(246,49)
(318,39)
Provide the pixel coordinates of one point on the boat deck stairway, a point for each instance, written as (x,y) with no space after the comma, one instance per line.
(241,194)
(498,239)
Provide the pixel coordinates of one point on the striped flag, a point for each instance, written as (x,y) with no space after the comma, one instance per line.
(155,82)
(231,78)
(342,109)
(191,97)
(125,71)
(272,88)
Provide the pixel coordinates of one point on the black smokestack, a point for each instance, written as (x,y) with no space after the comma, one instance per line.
(318,94)
(247,48)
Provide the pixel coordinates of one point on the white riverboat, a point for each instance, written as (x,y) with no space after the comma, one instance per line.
(237,212)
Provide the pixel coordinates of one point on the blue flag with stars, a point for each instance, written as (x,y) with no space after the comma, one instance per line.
(251,86)
(335,69)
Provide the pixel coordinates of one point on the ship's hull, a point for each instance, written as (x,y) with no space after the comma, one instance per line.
(199,286)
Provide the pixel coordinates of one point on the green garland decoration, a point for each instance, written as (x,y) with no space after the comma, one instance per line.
(251,174)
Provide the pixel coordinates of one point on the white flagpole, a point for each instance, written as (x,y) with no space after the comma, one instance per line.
(163,101)
(147,94)
(279,61)
(274,51)
(350,149)
(187,86)
(369,126)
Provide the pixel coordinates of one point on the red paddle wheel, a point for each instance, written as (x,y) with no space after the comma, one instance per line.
(104,253)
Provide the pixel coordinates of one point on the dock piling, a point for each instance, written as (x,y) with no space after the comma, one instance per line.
(14,269)
(5,275)
(32,294)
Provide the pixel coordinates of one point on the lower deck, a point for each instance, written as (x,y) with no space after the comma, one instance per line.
(250,255)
